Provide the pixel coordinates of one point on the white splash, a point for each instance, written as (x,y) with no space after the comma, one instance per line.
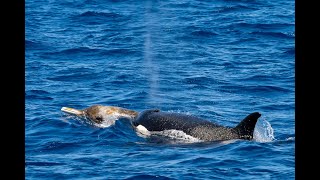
(228,141)
(290,139)
(108,120)
(263,132)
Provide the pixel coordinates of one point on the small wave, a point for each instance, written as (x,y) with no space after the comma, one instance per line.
(33,45)
(99,14)
(35,91)
(284,140)
(276,106)
(77,50)
(31,163)
(55,145)
(29,44)
(291,139)
(201,80)
(258,77)
(38,97)
(70,53)
(203,33)
(262,26)
(274,34)
(236,8)
(252,88)
(180,5)
(290,51)
(145,176)
(38,94)
(197,80)
(76,75)
(268,88)
(95,17)
(109,120)
(120,52)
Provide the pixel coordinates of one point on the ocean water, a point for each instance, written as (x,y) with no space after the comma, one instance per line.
(219,60)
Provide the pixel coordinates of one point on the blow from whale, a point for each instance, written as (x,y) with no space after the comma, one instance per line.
(154,120)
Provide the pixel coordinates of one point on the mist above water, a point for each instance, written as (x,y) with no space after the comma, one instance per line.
(151,71)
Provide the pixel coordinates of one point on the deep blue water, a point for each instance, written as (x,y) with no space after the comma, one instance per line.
(220,60)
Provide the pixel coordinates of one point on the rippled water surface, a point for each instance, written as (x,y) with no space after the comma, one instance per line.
(219,60)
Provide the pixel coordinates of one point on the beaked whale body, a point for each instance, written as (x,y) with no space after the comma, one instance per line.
(156,120)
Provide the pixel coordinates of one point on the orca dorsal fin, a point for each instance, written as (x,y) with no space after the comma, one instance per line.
(246,127)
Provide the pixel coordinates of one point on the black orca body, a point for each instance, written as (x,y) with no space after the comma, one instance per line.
(155,120)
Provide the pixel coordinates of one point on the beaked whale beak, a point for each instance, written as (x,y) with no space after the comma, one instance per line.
(72,111)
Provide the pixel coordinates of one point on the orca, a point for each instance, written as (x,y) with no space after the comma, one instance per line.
(154,120)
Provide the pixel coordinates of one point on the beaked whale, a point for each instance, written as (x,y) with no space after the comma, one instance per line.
(156,120)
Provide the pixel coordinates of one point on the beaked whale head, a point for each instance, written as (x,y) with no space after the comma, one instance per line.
(99,113)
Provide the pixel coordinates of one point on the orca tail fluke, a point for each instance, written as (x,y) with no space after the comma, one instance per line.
(246,127)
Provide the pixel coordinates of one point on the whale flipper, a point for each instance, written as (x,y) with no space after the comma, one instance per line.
(246,127)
